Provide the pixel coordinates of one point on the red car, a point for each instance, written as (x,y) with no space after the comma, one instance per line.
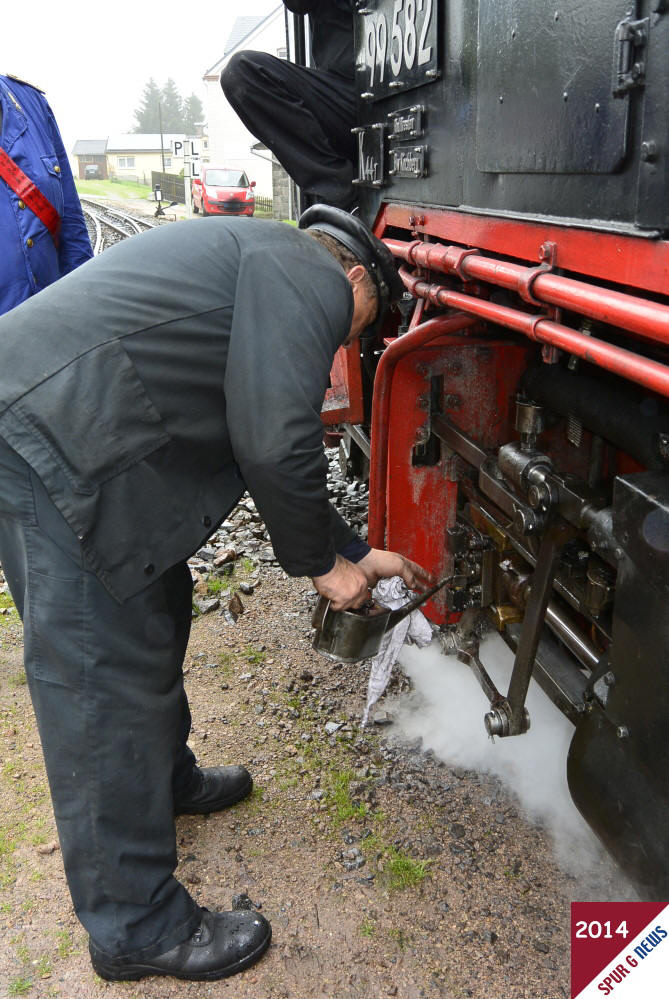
(222,191)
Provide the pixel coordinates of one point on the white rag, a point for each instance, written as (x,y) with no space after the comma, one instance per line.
(415,628)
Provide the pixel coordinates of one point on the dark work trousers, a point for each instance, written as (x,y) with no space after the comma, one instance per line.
(106,683)
(304,116)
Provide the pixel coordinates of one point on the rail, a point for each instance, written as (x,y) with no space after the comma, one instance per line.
(120,223)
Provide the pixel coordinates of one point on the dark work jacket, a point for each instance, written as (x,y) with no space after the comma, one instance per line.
(331,27)
(155,383)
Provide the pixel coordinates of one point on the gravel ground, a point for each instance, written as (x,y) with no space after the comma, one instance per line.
(383,871)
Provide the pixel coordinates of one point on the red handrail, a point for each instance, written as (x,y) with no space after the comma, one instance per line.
(636,315)
(651,374)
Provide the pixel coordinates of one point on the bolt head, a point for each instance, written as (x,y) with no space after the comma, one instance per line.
(648,151)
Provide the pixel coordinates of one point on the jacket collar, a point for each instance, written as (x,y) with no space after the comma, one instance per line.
(14,121)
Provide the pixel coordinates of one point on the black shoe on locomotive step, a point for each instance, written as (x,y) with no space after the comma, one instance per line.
(223,944)
(214,788)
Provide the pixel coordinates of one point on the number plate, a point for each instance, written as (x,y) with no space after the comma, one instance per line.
(408,161)
(396,45)
(371,155)
(407,123)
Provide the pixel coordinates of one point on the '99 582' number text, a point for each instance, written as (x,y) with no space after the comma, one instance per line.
(398,48)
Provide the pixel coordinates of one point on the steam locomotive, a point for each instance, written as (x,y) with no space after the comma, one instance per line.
(514,154)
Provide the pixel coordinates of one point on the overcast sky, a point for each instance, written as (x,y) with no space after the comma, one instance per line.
(92,59)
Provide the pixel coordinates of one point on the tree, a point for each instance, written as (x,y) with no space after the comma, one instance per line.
(178,116)
(193,114)
(147,112)
(172,107)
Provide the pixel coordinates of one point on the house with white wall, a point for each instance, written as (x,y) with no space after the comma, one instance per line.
(229,142)
(133,156)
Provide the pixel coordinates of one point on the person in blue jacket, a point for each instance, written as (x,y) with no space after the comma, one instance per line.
(32,255)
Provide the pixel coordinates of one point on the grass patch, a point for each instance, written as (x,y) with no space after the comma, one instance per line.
(400,938)
(254,655)
(7,845)
(21,949)
(64,943)
(18,679)
(19,986)
(367,928)
(339,797)
(403,871)
(285,783)
(10,613)
(8,867)
(215,585)
(226,662)
(254,801)
(112,189)
(43,967)
(7,878)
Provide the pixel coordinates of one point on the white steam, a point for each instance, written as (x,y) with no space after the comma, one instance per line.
(446,708)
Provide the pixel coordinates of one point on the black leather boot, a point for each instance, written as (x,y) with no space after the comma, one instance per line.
(217,788)
(223,944)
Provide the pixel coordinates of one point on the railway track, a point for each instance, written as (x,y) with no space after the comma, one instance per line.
(107,226)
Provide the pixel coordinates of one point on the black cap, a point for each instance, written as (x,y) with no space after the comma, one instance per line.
(370,251)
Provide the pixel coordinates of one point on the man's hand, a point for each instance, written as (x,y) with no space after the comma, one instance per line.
(345,585)
(378,564)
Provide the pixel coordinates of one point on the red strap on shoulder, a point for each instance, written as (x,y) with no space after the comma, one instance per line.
(22,185)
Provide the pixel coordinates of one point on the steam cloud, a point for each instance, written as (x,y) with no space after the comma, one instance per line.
(446,708)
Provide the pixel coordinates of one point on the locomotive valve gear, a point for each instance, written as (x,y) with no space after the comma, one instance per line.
(546,424)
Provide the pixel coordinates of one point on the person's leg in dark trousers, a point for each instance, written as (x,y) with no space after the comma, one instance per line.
(107,688)
(179,597)
(304,116)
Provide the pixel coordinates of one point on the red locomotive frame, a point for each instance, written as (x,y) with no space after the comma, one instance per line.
(481,252)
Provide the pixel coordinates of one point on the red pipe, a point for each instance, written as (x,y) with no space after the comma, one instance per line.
(418,337)
(636,315)
(651,374)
